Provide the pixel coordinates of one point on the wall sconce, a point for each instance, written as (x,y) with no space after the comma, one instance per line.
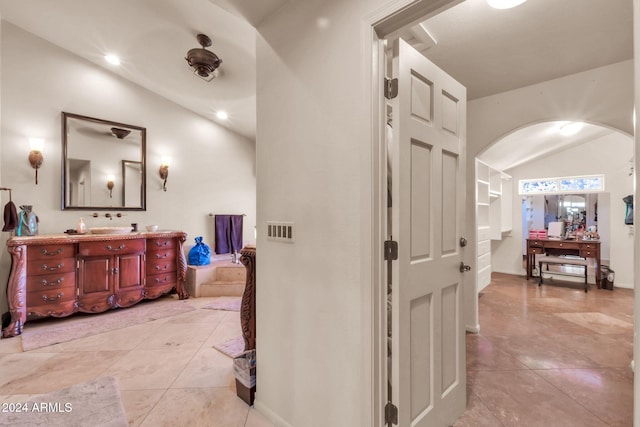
(164,171)
(35,155)
(110,184)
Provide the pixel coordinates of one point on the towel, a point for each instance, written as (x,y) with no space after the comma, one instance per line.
(10,217)
(236,233)
(228,234)
(223,234)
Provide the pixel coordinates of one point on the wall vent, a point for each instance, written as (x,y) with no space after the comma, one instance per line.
(280,231)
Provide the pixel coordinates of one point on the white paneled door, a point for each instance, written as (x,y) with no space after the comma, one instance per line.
(428,376)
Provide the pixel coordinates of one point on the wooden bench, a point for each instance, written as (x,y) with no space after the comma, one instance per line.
(563,260)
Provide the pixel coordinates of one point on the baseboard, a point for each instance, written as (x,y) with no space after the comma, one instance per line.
(474,329)
(623,285)
(269,414)
(515,273)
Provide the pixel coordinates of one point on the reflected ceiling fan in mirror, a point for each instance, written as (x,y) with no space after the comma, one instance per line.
(203,61)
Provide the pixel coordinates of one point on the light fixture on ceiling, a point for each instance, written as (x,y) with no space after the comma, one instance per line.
(504,4)
(571,128)
(112,59)
(222,115)
(203,61)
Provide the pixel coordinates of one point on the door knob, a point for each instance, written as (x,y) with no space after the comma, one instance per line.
(463,242)
(464,267)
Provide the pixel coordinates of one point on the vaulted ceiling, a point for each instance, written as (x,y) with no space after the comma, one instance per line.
(488,50)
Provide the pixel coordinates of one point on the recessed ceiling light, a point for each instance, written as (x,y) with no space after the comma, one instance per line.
(222,115)
(504,4)
(112,59)
(571,128)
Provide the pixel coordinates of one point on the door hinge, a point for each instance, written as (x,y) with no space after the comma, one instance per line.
(390,250)
(390,414)
(390,88)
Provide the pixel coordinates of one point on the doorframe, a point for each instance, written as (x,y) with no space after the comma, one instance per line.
(380,23)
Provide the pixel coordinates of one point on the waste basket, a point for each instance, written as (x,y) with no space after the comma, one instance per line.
(244,369)
(607,277)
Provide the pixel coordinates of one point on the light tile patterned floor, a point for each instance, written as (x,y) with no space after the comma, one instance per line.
(167,371)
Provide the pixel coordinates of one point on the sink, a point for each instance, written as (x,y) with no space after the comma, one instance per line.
(111,230)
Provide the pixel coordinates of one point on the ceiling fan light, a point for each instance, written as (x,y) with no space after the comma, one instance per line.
(203,61)
(504,4)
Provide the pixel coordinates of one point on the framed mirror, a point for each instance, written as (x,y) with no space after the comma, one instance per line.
(104,164)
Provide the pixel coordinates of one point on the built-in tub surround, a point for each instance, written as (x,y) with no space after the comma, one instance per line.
(58,275)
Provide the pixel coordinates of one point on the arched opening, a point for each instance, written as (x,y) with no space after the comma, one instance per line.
(540,151)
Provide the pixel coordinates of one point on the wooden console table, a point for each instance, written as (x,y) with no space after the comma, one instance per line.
(582,248)
(58,275)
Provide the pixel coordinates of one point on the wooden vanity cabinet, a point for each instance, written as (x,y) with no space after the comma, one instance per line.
(110,274)
(51,280)
(58,275)
(161,266)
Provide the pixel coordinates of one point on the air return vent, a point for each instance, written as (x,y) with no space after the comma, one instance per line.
(280,231)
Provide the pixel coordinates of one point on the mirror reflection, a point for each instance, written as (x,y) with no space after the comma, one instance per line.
(578,213)
(104,164)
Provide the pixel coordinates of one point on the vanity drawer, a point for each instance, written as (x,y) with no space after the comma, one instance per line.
(161,280)
(564,245)
(589,253)
(591,246)
(161,243)
(51,296)
(50,281)
(535,243)
(536,250)
(40,267)
(153,256)
(156,266)
(114,247)
(48,252)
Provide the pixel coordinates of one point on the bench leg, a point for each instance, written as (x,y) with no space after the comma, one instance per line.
(586,284)
(540,273)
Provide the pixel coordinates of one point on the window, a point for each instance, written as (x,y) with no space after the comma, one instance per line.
(569,184)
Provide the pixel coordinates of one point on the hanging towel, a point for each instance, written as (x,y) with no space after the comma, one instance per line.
(236,233)
(222,234)
(228,234)
(10,217)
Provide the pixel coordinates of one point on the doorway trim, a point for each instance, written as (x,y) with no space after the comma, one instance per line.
(377,25)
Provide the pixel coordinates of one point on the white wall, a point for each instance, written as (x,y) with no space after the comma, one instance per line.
(213,169)
(608,155)
(313,332)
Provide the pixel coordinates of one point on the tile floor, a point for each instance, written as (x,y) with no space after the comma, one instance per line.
(167,370)
(545,356)
(550,356)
